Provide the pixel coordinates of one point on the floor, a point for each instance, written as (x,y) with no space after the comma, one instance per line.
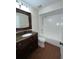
(49,52)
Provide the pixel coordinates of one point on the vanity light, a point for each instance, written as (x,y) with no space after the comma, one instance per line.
(25,8)
(17,5)
(20,3)
(23,5)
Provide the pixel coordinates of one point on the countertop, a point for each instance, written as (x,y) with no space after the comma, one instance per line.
(20,33)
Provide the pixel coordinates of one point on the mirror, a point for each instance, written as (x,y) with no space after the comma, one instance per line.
(23,20)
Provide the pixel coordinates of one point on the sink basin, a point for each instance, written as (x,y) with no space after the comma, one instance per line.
(27,34)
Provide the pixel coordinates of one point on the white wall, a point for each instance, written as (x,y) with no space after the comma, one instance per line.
(34,13)
(53,7)
(35,18)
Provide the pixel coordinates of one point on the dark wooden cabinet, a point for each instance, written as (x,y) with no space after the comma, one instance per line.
(26,46)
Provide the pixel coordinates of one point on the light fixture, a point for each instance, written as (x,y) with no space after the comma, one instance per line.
(23,5)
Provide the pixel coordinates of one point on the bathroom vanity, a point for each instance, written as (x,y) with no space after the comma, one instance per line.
(26,45)
(26,39)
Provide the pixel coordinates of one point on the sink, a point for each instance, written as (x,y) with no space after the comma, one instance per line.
(27,34)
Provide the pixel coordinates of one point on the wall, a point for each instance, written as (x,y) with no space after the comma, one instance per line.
(34,13)
(53,7)
(34,19)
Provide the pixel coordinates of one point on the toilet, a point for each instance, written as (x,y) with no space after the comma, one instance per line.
(41,41)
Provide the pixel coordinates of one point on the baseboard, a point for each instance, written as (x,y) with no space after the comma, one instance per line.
(54,42)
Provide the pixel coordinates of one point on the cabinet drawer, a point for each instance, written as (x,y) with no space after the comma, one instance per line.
(24,43)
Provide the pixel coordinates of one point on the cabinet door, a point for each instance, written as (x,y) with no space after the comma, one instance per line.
(35,38)
(25,47)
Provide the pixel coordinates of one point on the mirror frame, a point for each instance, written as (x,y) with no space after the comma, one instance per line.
(29,17)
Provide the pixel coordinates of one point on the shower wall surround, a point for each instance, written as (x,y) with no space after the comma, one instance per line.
(52,25)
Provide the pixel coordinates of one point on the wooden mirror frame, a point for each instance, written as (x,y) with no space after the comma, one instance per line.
(29,17)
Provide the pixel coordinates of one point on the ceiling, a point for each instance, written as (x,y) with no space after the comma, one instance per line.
(41,3)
